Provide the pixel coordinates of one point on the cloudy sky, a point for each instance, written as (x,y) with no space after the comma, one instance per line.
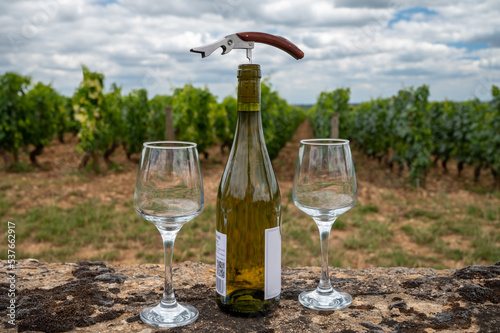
(375,47)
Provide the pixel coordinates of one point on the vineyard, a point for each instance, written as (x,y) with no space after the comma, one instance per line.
(67,209)
(104,120)
(408,131)
(404,131)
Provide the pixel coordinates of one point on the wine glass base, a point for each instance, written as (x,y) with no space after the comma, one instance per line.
(333,300)
(179,314)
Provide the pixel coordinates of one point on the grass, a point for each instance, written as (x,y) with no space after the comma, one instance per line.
(395,257)
(441,230)
(21,167)
(4,204)
(420,213)
(485,246)
(90,223)
(367,208)
(421,236)
(475,211)
(196,240)
(370,236)
(303,238)
(150,257)
(477,240)
(87,223)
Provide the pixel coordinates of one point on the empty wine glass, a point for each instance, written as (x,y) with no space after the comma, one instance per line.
(169,193)
(324,187)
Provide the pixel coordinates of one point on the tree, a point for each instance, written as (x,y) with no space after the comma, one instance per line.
(225,121)
(194,112)
(44,109)
(99,117)
(327,104)
(411,134)
(492,148)
(156,117)
(13,88)
(136,109)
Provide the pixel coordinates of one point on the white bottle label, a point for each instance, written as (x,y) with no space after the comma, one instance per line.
(272,287)
(220,263)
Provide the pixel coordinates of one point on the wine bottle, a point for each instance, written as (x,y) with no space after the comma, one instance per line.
(248,230)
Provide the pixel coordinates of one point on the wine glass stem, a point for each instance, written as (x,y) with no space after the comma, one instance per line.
(324,233)
(168,237)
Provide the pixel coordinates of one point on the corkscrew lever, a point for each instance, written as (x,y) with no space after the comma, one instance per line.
(245,40)
(227,44)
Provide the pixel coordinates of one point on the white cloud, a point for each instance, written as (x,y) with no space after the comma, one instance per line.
(455,49)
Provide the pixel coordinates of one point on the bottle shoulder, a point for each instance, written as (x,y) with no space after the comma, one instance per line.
(249,174)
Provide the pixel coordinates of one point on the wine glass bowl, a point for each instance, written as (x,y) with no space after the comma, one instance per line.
(169,193)
(324,187)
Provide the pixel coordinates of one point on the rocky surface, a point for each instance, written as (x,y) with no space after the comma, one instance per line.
(96,297)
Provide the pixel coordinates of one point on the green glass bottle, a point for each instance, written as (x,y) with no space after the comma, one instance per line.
(248,230)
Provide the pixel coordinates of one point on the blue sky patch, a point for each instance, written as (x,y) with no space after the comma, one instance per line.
(407,14)
(105,2)
(469,46)
(470,58)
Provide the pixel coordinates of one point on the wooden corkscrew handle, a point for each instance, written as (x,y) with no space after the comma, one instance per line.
(273,40)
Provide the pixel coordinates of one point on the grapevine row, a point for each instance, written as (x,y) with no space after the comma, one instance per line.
(31,115)
(409,131)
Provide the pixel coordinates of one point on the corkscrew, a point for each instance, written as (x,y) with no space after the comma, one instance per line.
(246,41)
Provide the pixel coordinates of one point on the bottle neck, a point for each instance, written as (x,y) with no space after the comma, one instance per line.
(249,87)
(249,120)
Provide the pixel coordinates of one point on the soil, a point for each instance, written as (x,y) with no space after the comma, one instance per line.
(58,182)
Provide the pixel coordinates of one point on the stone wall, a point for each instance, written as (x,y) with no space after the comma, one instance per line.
(96,297)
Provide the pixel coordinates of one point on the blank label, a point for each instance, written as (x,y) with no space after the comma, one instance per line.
(273,263)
